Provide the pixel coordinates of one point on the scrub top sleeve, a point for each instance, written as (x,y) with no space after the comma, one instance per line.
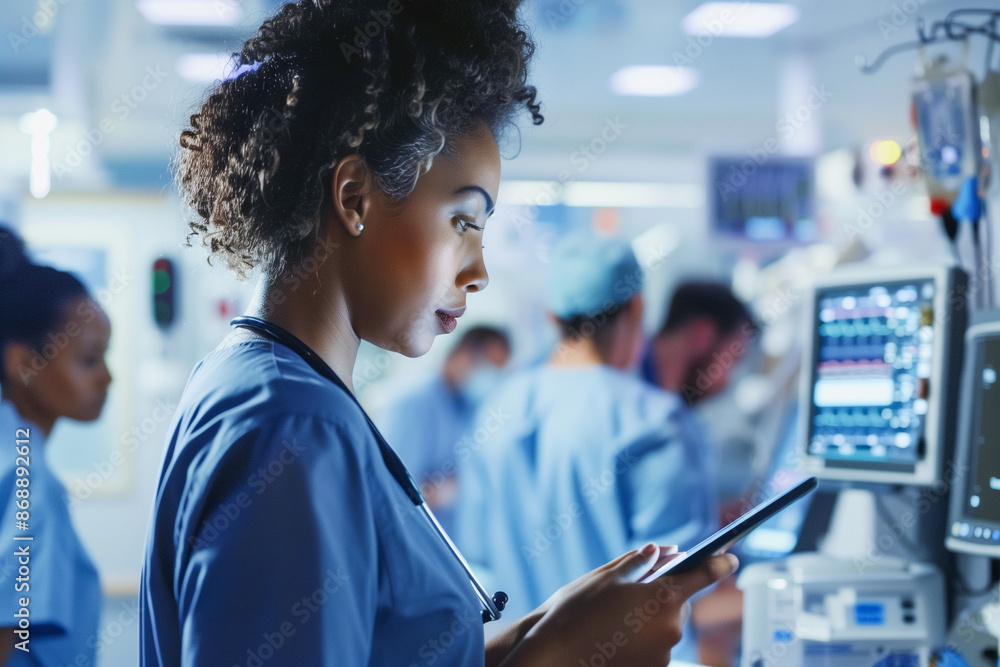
(51,569)
(284,563)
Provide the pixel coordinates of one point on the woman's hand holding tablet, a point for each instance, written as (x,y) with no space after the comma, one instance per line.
(735,531)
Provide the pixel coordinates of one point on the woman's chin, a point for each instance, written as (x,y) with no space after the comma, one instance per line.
(418,347)
(412,345)
(86,414)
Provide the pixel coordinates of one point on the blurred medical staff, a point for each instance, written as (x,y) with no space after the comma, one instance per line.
(584,460)
(705,335)
(53,337)
(425,423)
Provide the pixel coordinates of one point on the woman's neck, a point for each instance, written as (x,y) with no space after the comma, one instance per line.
(318,317)
(29,411)
(580,351)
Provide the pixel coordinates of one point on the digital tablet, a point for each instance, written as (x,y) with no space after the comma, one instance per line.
(735,531)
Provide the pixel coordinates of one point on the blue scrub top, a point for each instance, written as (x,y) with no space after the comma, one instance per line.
(279,536)
(570,468)
(64,588)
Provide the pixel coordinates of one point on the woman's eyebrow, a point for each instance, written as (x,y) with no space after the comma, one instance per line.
(484,193)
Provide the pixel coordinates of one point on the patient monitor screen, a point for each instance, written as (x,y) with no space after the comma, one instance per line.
(871,386)
(983,493)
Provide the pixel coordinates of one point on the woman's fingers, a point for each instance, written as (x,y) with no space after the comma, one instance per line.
(706,574)
(610,565)
(667,554)
(635,565)
(665,551)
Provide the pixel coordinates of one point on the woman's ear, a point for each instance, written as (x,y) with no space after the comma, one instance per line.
(350,193)
(16,363)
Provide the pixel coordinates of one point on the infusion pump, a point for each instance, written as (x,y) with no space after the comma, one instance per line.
(811,609)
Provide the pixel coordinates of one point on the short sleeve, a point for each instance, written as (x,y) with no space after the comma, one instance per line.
(49,553)
(280,565)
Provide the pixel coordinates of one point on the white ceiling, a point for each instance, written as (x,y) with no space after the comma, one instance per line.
(98,51)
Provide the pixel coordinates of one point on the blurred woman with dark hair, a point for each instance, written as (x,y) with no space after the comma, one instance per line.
(53,337)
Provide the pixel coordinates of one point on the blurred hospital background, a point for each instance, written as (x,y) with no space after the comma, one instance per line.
(739,142)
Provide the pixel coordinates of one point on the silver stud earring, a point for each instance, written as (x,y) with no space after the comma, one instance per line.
(361,227)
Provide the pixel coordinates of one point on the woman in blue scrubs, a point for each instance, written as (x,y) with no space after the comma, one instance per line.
(53,338)
(352,169)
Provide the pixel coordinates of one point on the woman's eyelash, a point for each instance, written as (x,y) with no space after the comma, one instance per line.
(466,225)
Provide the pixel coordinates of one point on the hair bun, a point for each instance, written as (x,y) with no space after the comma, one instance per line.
(12,255)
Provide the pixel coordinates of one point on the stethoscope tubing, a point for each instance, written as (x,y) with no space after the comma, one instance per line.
(492,605)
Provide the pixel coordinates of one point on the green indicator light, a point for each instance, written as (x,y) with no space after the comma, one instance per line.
(161,281)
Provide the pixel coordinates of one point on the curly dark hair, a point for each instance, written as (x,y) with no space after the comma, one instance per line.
(391,81)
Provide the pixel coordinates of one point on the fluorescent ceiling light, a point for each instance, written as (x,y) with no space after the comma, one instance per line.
(208,67)
(191,12)
(202,67)
(634,195)
(740,19)
(598,194)
(38,122)
(653,80)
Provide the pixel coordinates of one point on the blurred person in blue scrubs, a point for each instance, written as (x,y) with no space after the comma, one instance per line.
(426,422)
(53,338)
(354,177)
(587,460)
(707,332)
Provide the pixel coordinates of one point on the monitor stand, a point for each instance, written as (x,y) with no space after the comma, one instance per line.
(872,523)
(852,532)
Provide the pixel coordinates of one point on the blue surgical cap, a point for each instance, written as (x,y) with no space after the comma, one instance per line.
(588,275)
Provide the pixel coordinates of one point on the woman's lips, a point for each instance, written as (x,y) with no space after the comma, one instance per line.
(449,317)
